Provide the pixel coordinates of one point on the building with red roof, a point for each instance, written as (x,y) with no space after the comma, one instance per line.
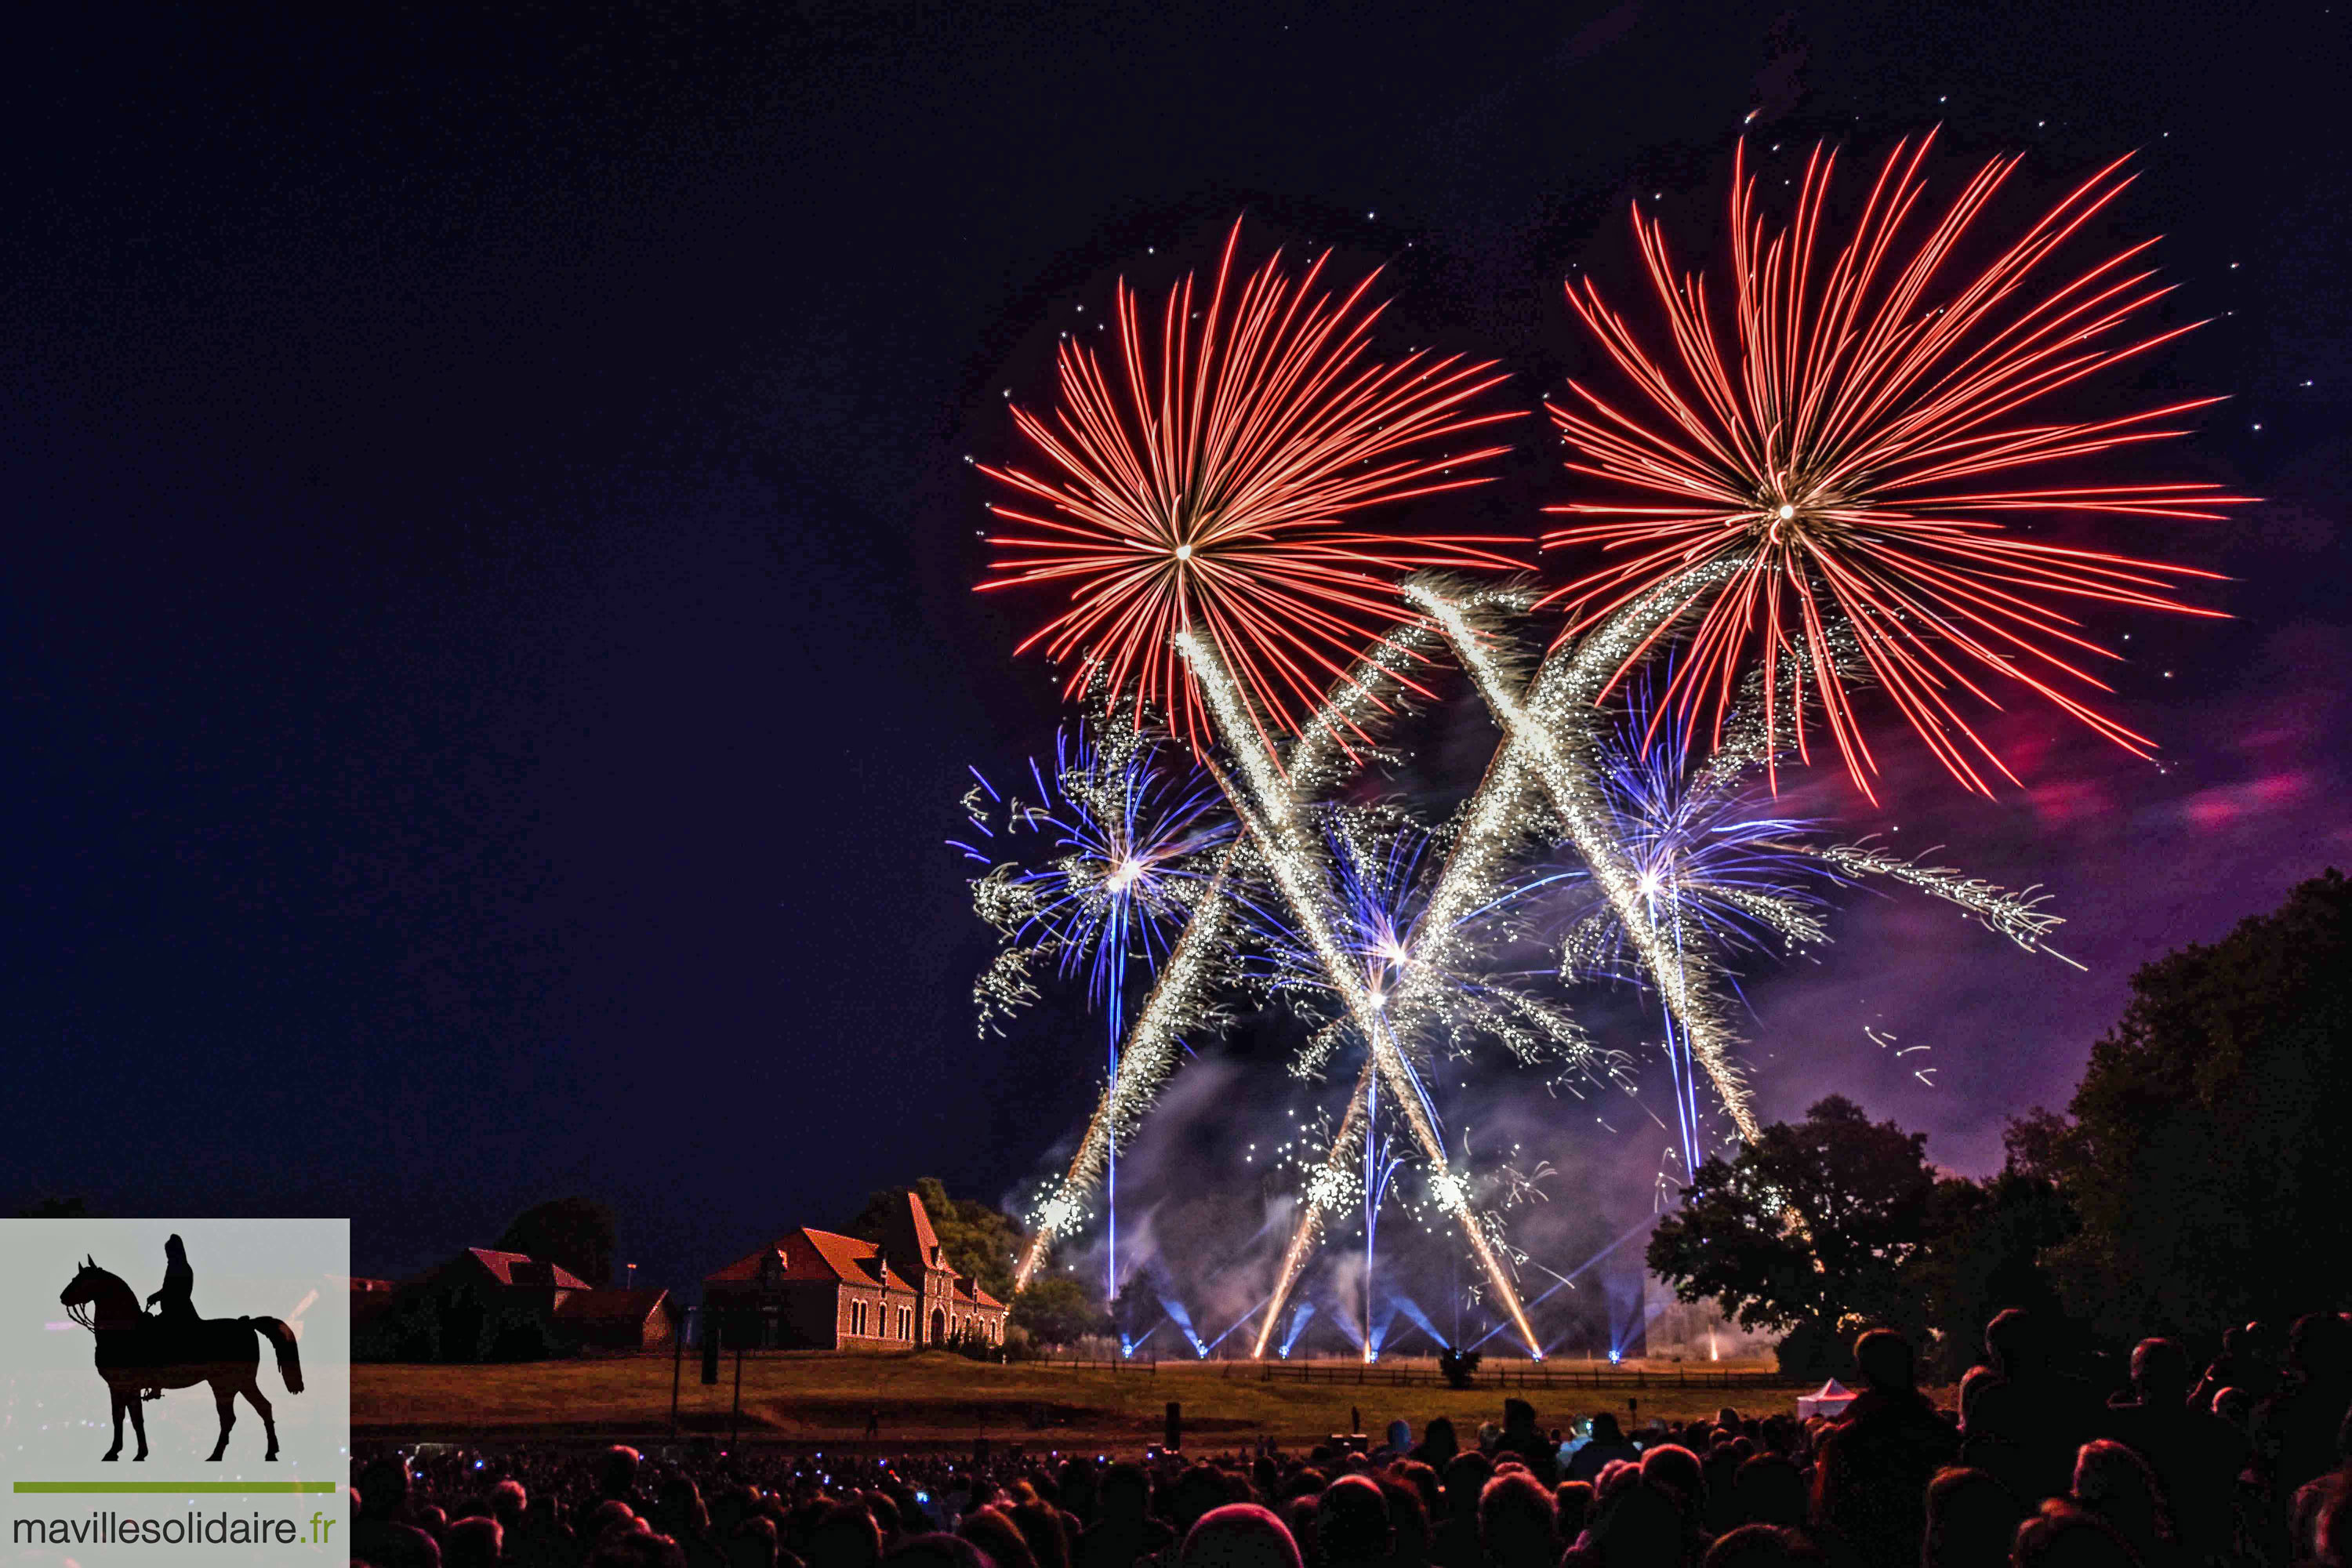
(487,1305)
(813,1289)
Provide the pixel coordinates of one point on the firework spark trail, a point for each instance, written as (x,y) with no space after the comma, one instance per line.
(1130,832)
(1150,1054)
(1381,1167)
(1332,740)
(1266,805)
(1495,824)
(2019,916)
(1212,490)
(1389,927)
(1558,732)
(1844,449)
(1309,1229)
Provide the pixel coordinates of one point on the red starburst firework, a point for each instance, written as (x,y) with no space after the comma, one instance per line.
(1212,487)
(1841,464)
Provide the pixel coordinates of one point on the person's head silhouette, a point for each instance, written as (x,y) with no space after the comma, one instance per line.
(2013,1342)
(2160,1371)
(1884,1359)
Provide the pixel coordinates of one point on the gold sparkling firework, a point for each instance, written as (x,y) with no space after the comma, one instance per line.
(1499,821)
(2019,916)
(1336,739)
(1556,730)
(1266,806)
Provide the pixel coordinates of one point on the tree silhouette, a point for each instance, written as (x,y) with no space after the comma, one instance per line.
(575,1231)
(2205,1148)
(1056,1311)
(1808,1232)
(1984,1243)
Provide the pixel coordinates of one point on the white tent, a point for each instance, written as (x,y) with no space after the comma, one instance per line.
(1831,1399)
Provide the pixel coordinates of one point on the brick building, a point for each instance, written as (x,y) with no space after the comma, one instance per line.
(487,1305)
(813,1289)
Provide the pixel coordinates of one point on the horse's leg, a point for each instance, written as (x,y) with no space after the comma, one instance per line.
(115,1390)
(252,1392)
(132,1401)
(224,1398)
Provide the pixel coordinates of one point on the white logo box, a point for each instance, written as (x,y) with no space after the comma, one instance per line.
(55,1409)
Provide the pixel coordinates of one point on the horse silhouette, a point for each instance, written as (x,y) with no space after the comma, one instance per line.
(136,1352)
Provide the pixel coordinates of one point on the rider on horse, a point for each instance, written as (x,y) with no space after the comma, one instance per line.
(178,1308)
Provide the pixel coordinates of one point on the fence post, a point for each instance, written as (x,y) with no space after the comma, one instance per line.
(735,1421)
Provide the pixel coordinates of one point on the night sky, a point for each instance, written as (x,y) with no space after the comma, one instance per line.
(487,649)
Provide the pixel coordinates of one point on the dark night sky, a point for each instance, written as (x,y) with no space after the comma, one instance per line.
(488,660)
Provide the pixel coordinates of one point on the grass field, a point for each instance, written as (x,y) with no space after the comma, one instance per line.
(939,1400)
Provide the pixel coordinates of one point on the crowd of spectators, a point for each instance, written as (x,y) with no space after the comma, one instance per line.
(2039,1466)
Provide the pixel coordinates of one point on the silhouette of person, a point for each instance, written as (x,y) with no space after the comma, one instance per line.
(2027,1428)
(2197,1454)
(1521,1438)
(1869,1485)
(177,1296)
(177,1311)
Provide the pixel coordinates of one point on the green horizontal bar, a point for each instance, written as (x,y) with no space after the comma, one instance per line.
(207,1489)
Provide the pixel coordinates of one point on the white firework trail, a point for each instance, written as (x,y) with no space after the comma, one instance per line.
(1557,729)
(1266,804)
(1333,743)
(2019,916)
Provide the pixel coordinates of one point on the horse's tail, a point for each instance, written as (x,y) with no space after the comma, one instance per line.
(289,1352)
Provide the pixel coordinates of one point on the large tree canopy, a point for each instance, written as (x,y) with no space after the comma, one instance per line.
(1056,1311)
(1984,1245)
(979,1241)
(575,1231)
(1810,1228)
(2206,1148)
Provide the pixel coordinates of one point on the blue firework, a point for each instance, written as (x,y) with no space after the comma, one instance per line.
(1452,986)
(1719,872)
(1100,869)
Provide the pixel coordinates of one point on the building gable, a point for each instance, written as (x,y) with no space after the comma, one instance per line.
(813,1287)
(807,1254)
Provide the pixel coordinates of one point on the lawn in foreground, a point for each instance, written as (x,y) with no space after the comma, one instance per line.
(937,1399)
